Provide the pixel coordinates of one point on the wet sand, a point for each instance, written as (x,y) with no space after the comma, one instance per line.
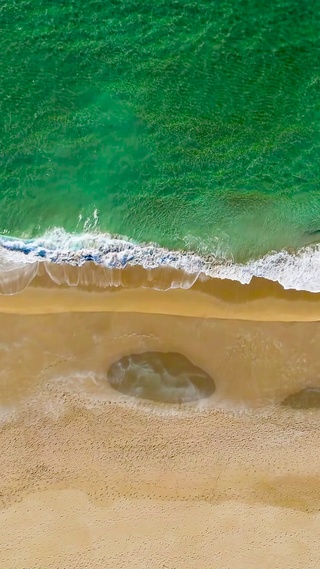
(159,292)
(93,478)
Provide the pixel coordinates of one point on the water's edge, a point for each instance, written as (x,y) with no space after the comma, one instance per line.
(21,260)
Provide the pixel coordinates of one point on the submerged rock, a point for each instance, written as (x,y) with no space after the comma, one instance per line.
(308,398)
(164,377)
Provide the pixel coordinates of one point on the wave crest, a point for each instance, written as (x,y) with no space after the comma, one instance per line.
(61,255)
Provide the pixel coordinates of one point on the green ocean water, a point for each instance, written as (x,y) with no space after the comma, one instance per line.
(191,124)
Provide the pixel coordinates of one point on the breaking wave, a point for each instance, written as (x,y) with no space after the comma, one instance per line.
(61,255)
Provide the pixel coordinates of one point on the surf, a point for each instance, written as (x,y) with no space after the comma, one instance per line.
(68,259)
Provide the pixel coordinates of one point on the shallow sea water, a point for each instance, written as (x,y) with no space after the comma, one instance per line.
(190,124)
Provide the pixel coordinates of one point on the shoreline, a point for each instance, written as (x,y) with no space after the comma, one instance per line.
(57,251)
(260,300)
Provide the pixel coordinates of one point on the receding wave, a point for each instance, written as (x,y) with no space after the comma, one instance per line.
(60,255)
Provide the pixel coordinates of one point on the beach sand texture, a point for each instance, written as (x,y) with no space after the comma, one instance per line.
(93,478)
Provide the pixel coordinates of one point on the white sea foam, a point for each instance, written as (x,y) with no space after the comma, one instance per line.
(60,253)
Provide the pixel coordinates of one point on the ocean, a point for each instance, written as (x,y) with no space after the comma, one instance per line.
(170,133)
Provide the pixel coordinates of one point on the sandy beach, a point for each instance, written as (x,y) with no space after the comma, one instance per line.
(118,486)
(159,284)
(94,478)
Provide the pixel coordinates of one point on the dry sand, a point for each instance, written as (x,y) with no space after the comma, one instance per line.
(91,478)
(119,486)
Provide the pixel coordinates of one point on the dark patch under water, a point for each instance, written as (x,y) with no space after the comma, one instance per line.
(308,398)
(162,377)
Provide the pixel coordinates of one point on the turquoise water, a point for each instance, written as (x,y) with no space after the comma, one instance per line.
(194,124)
